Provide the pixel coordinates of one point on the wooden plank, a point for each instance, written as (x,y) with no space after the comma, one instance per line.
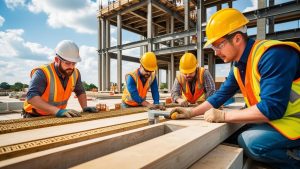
(221,157)
(35,134)
(179,149)
(77,153)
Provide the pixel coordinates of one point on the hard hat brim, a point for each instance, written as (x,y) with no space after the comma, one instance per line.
(150,68)
(188,71)
(73,59)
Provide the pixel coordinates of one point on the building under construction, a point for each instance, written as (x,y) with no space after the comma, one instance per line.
(117,137)
(170,28)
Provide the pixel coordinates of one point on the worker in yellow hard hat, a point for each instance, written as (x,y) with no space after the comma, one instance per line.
(139,81)
(194,84)
(268,74)
(51,85)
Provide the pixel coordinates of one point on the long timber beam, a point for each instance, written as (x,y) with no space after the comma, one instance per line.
(128,9)
(176,15)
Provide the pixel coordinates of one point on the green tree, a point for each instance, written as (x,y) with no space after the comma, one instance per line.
(85,86)
(18,86)
(92,86)
(163,86)
(5,86)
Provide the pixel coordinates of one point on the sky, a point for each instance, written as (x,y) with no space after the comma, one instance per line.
(30,30)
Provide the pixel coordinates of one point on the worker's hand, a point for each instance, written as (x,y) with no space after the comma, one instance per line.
(160,107)
(67,113)
(214,115)
(90,109)
(182,113)
(151,106)
(183,103)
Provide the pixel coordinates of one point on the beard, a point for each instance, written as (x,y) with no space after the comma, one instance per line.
(146,76)
(189,78)
(67,72)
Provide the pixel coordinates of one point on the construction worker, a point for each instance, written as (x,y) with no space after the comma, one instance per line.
(139,82)
(193,84)
(268,74)
(51,85)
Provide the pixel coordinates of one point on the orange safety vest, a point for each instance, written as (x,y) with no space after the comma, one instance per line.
(289,124)
(142,89)
(54,94)
(199,94)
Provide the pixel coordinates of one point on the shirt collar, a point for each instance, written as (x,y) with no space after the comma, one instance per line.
(245,55)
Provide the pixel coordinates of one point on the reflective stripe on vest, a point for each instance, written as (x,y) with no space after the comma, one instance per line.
(54,94)
(199,94)
(142,89)
(289,124)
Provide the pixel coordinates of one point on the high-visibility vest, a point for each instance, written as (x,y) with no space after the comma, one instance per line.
(142,89)
(289,124)
(199,94)
(54,94)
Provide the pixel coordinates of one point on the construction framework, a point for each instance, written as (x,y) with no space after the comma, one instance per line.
(170,28)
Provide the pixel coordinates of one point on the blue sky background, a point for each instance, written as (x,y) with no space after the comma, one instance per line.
(30,30)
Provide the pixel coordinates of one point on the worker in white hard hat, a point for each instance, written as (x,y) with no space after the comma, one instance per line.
(51,85)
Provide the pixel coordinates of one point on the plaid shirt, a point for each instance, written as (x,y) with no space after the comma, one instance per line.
(209,86)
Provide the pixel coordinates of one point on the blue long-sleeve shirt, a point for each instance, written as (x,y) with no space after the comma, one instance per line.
(132,89)
(278,67)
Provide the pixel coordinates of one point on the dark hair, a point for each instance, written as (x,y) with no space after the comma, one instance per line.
(230,36)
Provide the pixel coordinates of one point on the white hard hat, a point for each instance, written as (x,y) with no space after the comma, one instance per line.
(68,50)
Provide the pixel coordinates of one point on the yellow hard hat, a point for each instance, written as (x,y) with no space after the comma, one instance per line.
(188,63)
(148,61)
(222,23)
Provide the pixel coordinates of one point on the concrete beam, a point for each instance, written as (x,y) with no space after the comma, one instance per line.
(149,26)
(261,23)
(99,55)
(175,49)
(107,59)
(200,34)
(186,4)
(119,53)
(103,54)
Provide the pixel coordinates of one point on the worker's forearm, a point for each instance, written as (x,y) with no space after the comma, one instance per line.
(38,103)
(251,114)
(201,109)
(82,100)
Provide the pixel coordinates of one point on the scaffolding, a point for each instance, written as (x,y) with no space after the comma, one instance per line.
(171,28)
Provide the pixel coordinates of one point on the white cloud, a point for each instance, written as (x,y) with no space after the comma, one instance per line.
(88,66)
(12,4)
(14,46)
(2,20)
(18,57)
(79,15)
(253,7)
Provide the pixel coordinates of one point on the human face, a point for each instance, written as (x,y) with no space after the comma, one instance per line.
(145,73)
(225,49)
(189,76)
(65,67)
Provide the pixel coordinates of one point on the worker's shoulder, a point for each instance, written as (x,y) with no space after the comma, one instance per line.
(282,53)
(282,50)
